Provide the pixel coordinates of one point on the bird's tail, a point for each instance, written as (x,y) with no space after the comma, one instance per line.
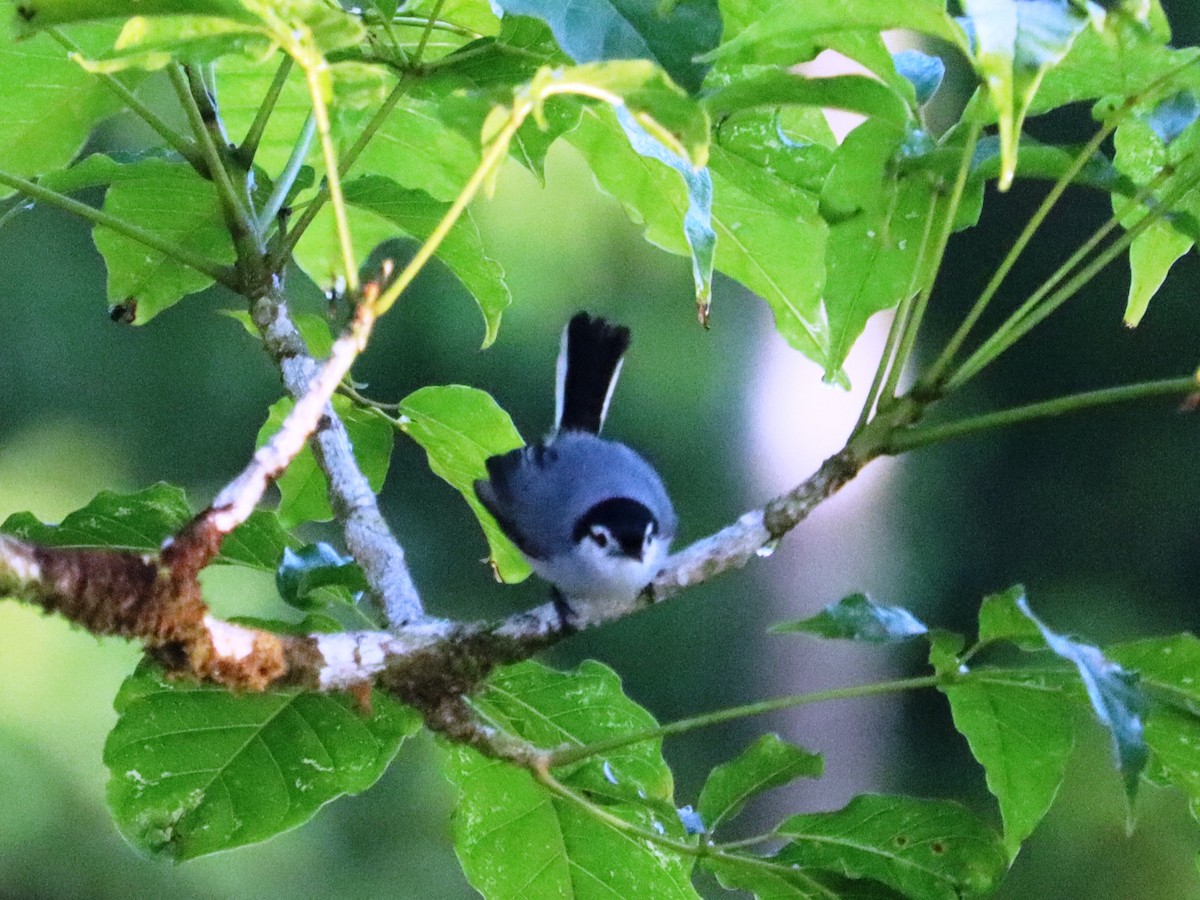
(589,362)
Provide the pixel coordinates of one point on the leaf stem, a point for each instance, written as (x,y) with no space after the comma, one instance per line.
(895,331)
(923,436)
(241,226)
(348,159)
(434,25)
(333,181)
(176,140)
(214,270)
(492,158)
(287,177)
(932,378)
(568,755)
(552,784)
(433,14)
(249,146)
(1033,311)
(933,265)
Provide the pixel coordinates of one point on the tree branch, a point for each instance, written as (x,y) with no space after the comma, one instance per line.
(367,535)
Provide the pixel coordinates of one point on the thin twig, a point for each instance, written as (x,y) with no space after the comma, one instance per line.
(924,435)
(176,140)
(933,265)
(1033,310)
(221,274)
(333,180)
(347,161)
(248,149)
(287,178)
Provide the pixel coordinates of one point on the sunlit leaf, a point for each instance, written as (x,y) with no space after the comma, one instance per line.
(1015,43)
(1021,730)
(772,87)
(196,769)
(514,837)
(328,26)
(459,428)
(383,210)
(756,213)
(1002,619)
(770,33)
(597,30)
(50,104)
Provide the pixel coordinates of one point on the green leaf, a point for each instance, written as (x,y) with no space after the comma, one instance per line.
(172,201)
(154,43)
(878,225)
(50,104)
(143,520)
(138,522)
(598,30)
(329,27)
(1021,730)
(459,428)
(1171,117)
(1121,62)
(758,32)
(242,84)
(1142,154)
(766,879)
(419,149)
(1171,667)
(195,769)
(772,87)
(1151,256)
(258,543)
(1015,43)
(303,572)
(380,208)
(757,214)
(945,651)
(767,763)
(697,220)
(858,618)
(303,489)
(932,849)
(516,838)
(1001,618)
(1115,697)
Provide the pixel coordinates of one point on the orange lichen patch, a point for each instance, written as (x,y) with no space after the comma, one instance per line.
(241,658)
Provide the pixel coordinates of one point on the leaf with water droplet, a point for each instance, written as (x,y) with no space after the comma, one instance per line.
(858,618)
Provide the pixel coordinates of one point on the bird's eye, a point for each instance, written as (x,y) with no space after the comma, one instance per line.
(599,534)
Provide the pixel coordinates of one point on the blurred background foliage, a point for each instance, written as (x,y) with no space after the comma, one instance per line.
(1096,514)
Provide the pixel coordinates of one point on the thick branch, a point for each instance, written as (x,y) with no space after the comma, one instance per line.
(367,535)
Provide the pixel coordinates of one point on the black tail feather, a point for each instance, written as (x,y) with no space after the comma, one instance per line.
(588,364)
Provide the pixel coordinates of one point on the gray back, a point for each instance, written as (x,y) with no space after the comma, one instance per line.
(541,491)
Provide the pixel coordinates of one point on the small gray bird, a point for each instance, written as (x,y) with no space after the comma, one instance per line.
(590,515)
